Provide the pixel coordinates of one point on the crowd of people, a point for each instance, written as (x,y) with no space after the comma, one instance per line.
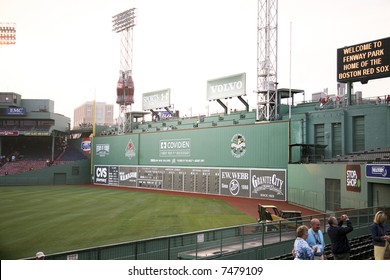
(336,101)
(310,245)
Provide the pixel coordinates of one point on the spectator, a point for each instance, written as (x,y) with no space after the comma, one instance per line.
(322,102)
(338,101)
(39,256)
(316,238)
(388,99)
(338,237)
(379,235)
(302,250)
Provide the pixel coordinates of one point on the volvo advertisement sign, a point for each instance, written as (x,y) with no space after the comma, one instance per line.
(226,87)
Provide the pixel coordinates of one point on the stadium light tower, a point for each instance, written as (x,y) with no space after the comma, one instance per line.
(7,33)
(267,46)
(123,23)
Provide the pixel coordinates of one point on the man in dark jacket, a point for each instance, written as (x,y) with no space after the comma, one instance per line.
(338,236)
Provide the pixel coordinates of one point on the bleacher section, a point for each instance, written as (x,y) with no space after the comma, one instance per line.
(361,249)
(234,118)
(71,154)
(21,166)
(379,155)
(26,154)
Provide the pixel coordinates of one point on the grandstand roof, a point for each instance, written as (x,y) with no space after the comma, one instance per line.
(285,92)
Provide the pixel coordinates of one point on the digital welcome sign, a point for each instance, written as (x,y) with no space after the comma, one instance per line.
(363,62)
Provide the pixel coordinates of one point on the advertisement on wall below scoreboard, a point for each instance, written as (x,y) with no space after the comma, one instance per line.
(106,175)
(128,176)
(101,174)
(235,182)
(268,184)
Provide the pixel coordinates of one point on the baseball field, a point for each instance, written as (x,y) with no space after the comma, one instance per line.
(59,218)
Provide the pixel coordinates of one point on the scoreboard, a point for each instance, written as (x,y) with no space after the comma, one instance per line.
(363,62)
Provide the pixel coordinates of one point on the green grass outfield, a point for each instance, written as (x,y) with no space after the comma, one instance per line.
(56,219)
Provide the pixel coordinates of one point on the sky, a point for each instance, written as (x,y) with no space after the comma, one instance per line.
(66,51)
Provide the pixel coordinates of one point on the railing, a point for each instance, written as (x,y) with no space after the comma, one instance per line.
(216,243)
(342,102)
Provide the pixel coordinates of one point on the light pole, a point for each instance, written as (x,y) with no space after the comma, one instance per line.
(123,23)
(7,33)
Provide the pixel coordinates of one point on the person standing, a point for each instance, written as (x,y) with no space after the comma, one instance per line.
(338,236)
(379,235)
(302,250)
(316,238)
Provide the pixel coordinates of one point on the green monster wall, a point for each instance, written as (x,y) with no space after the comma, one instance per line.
(260,146)
(239,160)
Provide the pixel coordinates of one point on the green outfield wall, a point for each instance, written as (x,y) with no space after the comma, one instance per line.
(239,160)
(262,145)
(72,173)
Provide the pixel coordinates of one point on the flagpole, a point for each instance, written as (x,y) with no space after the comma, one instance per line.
(289,95)
(93,130)
(94,114)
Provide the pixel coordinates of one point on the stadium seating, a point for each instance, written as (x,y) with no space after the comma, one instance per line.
(71,154)
(21,166)
(234,118)
(361,249)
(185,126)
(379,155)
(246,121)
(206,124)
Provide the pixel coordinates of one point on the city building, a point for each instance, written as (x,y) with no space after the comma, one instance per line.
(84,116)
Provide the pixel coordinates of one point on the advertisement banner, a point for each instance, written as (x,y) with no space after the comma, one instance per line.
(353,178)
(128,176)
(175,147)
(106,175)
(226,87)
(268,184)
(235,182)
(102,150)
(156,99)
(86,145)
(380,171)
(16,111)
(101,174)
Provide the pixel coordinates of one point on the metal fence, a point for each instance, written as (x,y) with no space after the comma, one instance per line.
(244,241)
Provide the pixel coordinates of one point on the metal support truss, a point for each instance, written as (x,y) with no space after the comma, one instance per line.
(123,23)
(267,46)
